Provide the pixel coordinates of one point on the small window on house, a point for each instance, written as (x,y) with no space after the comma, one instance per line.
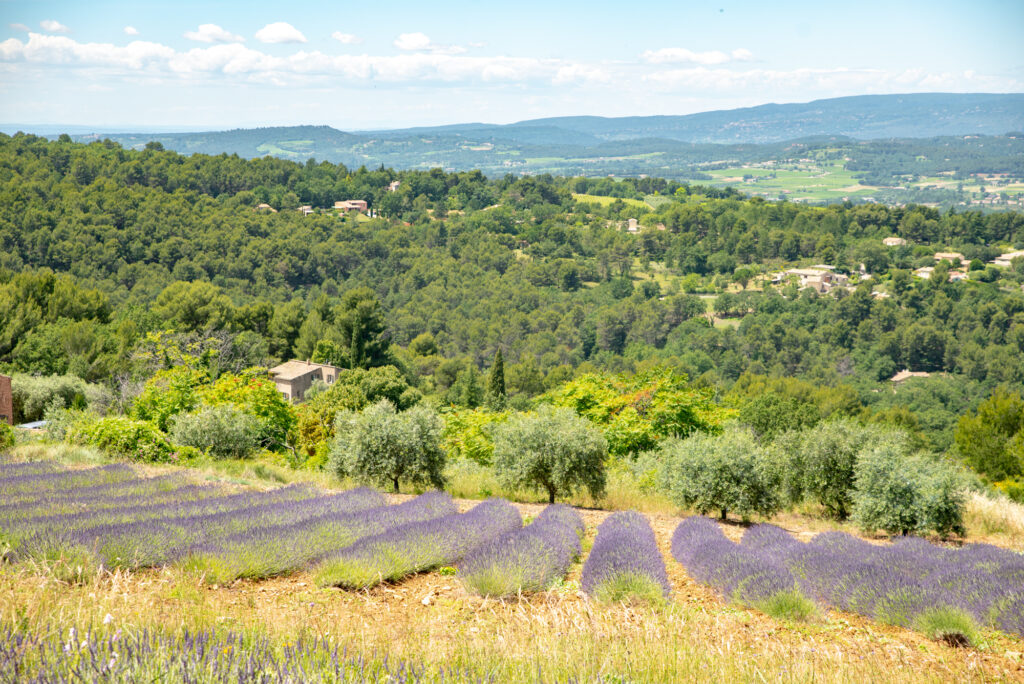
(330,379)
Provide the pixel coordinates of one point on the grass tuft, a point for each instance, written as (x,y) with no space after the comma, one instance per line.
(630,588)
(954,627)
(788,605)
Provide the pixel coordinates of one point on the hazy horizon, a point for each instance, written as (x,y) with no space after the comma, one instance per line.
(232,65)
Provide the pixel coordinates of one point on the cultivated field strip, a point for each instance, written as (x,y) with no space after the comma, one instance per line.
(417,547)
(625,561)
(528,559)
(282,548)
(897,583)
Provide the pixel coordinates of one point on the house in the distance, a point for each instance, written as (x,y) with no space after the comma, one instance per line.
(820,278)
(265,208)
(349,205)
(1006,260)
(393,186)
(952,257)
(305,210)
(6,401)
(894,242)
(294,378)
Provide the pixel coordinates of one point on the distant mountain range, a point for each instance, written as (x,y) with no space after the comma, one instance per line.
(917,134)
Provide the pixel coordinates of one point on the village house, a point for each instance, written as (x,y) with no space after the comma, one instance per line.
(349,205)
(894,242)
(1006,260)
(294,378)
(305,210)
(632,225)
(820,278)
(393,186)
(952,257)
(265,208)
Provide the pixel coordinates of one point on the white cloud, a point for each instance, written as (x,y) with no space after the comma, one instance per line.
(131,31)
(54,26)
(670,55)
(742,55)
(413,41)
(280,32)
(420,42)
(211,33)
(346,38)
(19,27)
(63,50)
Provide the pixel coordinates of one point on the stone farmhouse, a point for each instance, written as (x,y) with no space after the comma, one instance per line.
(349,205)
(294,378)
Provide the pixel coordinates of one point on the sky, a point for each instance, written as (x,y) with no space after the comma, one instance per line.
(185,65)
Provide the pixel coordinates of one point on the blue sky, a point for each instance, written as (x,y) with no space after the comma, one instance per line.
(376,65)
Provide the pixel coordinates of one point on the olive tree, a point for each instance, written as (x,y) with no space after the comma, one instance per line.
(728,472)
(818,463)
(553,450)
(383,446)
(902,494)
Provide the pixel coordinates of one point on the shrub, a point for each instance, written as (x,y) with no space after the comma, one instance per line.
(953,626)
(384,446)
(33,396)
(907,494)
(467,434)
(168,393)
(723,473)
(553,450)
(256,395)
(223,431)
(625,563)
(6,436)
(121,436)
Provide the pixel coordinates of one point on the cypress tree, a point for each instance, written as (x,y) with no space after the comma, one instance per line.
(496,381)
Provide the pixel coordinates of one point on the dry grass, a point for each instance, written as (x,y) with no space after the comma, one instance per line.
(556,635)
(560,634)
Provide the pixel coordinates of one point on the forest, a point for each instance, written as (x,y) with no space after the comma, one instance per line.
(118,264)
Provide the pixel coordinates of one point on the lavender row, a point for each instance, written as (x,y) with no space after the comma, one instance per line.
(161,489)
(900,583)
(139,510)
(529,559)
(741,574)
(15,468)
(31,483)
(625,561)
(154,542)
(417,547)
(195,656)
(279,549)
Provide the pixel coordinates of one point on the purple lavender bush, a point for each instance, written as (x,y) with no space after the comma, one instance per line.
(625,563)
(749,573)
(417,547)
(34,484)
(529,559)
(279,549)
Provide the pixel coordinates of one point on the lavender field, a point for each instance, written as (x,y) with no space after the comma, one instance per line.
(910,582)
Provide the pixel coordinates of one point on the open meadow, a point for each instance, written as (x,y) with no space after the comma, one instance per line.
(116,573)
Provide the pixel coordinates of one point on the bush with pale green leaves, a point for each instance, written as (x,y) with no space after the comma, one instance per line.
(223,431)
(902,494)
(720,473)
(383,446)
